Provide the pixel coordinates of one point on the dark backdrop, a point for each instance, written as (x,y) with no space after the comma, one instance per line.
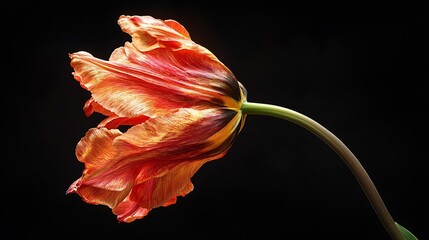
(360,69)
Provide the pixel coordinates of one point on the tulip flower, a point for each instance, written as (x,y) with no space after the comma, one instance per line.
(182,108)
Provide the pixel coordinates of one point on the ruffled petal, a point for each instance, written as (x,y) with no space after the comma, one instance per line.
(147,31)
(96,150)
(118,93)
(157,192)
(148,85)
(96,195)
(115,121)
(160,191)
(177,27)
(149,34)
(112,120)
(186,135)
(128,211)
(152,163)
(92,106)
(161,70)
(156,146)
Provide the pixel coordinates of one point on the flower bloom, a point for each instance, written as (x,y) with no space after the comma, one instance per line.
(181,106)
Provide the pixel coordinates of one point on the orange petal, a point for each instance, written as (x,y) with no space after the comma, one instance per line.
(152,162)
(112,121)
(128,211)
(92,106)
(136,81)
(185,135)
(115,121)
(149,34)
(120,94)
(177,27)
(157,192)
(96,150)
(94,195)
(146,31)
(134,90)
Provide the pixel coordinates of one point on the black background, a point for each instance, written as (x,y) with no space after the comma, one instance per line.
(360,69)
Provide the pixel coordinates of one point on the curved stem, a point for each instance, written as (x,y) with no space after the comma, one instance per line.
(338,146)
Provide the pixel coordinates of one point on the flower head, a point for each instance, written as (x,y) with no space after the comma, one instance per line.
(182,106)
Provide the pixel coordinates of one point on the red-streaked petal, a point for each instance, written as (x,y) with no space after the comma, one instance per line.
(125,91)
(92,106)
(95,195)
(157,192)
(154,147)
(115,121)
(183,136)
(187,73)
(152,163)
(147,31)
(160,191)
(137,81)
(128,211)
(96,150)
(148,34)
(148,84)
(121,95)
(112,121)
(177,27)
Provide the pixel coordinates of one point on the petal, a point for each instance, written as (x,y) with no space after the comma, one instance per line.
(177,27)
(115,121)
(112,121)
(100,183)
(137,81)
(157,192)
(151,148)
(188,73)
(148,34)
(185,135)
(128,211)
(147,31)
(149,84)
(96,150)
(152,163)
(92,106)
(122,95)
(95,195)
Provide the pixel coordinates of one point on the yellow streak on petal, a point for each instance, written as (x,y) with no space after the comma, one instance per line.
(219,138)
(231,103)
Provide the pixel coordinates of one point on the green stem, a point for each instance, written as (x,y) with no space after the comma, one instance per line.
(346,155)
